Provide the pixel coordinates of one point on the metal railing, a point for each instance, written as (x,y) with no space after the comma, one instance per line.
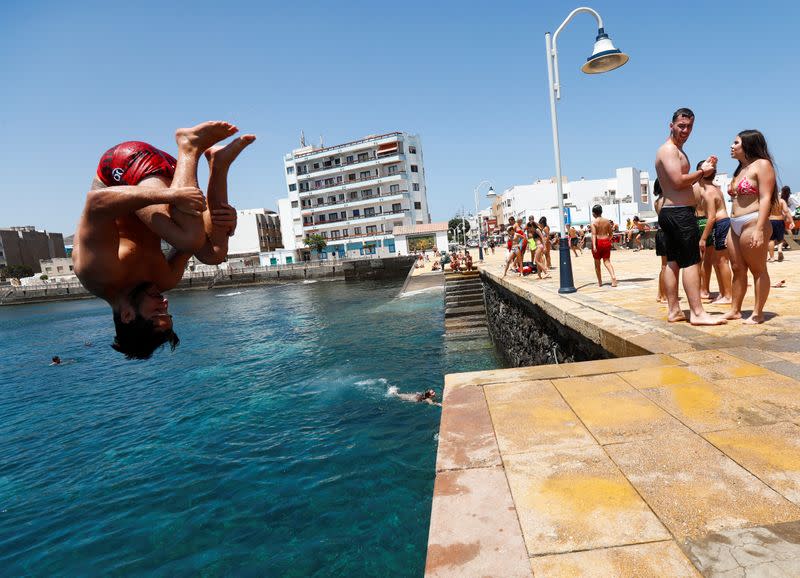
(339,219)
(352,181)
(310,210)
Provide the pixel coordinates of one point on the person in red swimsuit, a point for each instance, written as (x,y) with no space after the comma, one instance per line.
(601,245)
(139,196)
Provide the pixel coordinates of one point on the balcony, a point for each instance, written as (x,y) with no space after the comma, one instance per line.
(359,181)
(311,227)
(360,237)
(329,150)
(305,211)
(394,157)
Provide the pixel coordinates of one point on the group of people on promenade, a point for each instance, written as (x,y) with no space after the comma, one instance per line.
(695,233)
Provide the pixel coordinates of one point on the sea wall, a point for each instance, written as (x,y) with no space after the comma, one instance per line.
(387,268)
(525,335)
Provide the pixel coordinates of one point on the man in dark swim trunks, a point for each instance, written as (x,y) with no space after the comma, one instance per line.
(140,196)
(677,220)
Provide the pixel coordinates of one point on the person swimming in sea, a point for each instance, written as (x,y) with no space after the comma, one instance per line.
(427,396)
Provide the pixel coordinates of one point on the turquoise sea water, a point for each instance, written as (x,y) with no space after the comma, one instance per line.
(266,445)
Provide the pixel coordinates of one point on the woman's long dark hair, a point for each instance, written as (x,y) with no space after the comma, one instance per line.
(754,146)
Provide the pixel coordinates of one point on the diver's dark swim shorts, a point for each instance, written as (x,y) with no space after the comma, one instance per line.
(131,162)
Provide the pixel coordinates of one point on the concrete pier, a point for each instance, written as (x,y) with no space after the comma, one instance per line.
(678,457)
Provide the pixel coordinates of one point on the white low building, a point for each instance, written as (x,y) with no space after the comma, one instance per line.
(257,231)
(421,238)
(627,194)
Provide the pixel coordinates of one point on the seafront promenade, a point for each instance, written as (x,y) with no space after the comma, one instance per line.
(680,457)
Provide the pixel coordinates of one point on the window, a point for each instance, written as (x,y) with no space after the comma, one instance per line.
(343,215)
(294,204)
(391,169)
(351,177)
(372,229)
(327,164)
(289,170)
(341,196)
(328,182)
(317,184)
(320,200)
(394,188)
(364,175)
(292,187)
(324,234)
(349,159)
(316,165)
(303,186)
(332,199)
(395,207)
(334,234)
(369,211)
(333,216)
(418,205)
(70,267)
(339,179)
(356,213)
(416,186)
(398,223)
(308,220)
(353,195)
(322,218)
(362,157)
(302,170)
(412,150)
(414,169)
(645,195)
(345,232)
(366,193)
(357,230)
(337,162)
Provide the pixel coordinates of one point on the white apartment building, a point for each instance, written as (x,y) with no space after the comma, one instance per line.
(628,193)
(354,194)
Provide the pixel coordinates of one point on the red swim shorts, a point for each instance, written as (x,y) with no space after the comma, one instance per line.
(131,162)
(603,249)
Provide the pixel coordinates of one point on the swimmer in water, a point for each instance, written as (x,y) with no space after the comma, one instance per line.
(427,396)
(56,360)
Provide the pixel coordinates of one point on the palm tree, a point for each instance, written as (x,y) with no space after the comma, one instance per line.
(316,242)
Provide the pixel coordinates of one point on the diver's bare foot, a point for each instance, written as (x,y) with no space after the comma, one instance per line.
(707,319)
(705,295)
(199,138)
(223,156)
(721,301)
(754,320)
(731,315)
(614,282)
(677,318)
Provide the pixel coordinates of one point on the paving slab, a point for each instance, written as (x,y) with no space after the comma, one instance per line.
(764,551)
(696,489)
(770,452)
(539,416)
(487,540)
(653,560)
(466,435)
(577,499)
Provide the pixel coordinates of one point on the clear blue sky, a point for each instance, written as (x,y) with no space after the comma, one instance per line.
(469,77)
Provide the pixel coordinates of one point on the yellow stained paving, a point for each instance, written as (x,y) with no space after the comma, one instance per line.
(696,489)
(653,560)
(771,452)
(609,461)
(541,418)
(576,499)
(704,406)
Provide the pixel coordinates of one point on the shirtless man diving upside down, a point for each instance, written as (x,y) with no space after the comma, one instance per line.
(141,195)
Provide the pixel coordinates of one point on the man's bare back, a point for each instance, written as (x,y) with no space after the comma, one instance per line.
(601,228)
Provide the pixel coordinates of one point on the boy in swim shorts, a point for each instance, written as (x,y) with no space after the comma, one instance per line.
(601,245)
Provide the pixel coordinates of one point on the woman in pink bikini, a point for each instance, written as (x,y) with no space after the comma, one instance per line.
(753,191)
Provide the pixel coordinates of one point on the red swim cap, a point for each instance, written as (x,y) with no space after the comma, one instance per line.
(131,162)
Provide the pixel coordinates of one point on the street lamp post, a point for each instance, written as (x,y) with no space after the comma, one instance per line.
(604,57)
(478,216)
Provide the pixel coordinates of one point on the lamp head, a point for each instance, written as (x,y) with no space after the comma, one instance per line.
(491,192)
(605,56)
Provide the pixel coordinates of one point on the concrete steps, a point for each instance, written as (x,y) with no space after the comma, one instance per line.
(463,311)
(466,322)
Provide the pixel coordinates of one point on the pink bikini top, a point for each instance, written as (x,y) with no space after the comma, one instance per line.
(745,187)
